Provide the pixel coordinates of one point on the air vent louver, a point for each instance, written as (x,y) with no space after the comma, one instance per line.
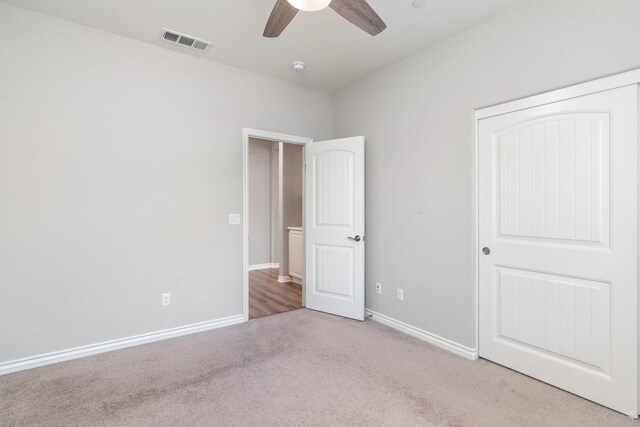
(197,44)
(172,37)
(185,40)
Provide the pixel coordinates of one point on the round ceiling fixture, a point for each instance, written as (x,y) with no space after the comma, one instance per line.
(309,5)
(419,3)
(298,65)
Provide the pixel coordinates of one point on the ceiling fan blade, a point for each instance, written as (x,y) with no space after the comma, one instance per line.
(360,14)
(281,15)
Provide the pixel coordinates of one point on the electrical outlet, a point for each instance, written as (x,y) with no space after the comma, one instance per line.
(234,219)
(400,294)
(166,298)
(378,288)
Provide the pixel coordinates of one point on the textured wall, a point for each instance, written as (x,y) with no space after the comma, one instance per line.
(417,118)
(119,164)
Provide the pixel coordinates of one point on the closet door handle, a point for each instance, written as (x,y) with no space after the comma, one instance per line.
(355,238)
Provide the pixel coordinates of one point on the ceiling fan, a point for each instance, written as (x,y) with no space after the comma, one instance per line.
(358,12)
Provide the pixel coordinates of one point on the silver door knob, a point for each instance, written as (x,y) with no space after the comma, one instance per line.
(486,251)
(355,238)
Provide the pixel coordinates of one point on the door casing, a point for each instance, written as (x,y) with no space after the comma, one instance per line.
(269,136)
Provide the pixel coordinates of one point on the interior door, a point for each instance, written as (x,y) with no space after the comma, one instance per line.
(334,226)
(558,197)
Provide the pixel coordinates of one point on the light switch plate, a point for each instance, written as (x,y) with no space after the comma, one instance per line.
(166,298)
(234,219)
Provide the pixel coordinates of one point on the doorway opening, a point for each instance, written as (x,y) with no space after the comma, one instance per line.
(273,223)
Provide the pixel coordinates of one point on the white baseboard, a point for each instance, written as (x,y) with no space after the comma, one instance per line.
(297,280)
(438,341)
(284,279)
(264,266)
(88,350)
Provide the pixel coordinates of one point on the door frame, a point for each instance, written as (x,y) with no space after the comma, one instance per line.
(269,136)
(610,82)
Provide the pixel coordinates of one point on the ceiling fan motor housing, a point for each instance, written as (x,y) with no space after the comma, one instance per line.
(309,5)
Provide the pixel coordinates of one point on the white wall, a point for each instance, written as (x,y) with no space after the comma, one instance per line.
(276,236)
(291,195)
(119,163)
(260,205)
(416,116)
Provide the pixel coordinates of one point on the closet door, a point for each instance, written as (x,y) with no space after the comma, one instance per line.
(558,244)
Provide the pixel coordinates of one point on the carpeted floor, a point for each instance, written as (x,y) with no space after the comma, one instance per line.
(297,368)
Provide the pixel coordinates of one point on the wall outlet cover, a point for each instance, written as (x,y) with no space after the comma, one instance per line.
(400,294)
(378,288)
(234,219)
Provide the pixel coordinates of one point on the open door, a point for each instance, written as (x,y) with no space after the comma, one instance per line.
(334,226)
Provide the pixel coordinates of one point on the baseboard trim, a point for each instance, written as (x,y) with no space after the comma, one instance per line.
(264,266)
(438,341)
(103,347)
(284,279)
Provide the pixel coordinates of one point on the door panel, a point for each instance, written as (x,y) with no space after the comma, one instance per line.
(554,179)
(334,265)
(334,178)
(558,197)
(558,317)
(334,212)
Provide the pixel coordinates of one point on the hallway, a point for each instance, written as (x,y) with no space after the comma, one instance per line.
(267,296)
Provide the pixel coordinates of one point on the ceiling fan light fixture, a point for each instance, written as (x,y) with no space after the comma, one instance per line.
(358,12)
(309,5)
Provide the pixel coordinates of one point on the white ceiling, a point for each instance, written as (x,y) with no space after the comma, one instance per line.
(336,52)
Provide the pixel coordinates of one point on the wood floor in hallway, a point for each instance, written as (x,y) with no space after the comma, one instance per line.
(268,296)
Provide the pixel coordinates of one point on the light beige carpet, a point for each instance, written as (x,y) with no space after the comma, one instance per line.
(298,368)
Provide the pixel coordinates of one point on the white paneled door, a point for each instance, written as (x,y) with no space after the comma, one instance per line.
(334,227)
(558,215)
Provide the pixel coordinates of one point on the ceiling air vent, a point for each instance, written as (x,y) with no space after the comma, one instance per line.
(185,40)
